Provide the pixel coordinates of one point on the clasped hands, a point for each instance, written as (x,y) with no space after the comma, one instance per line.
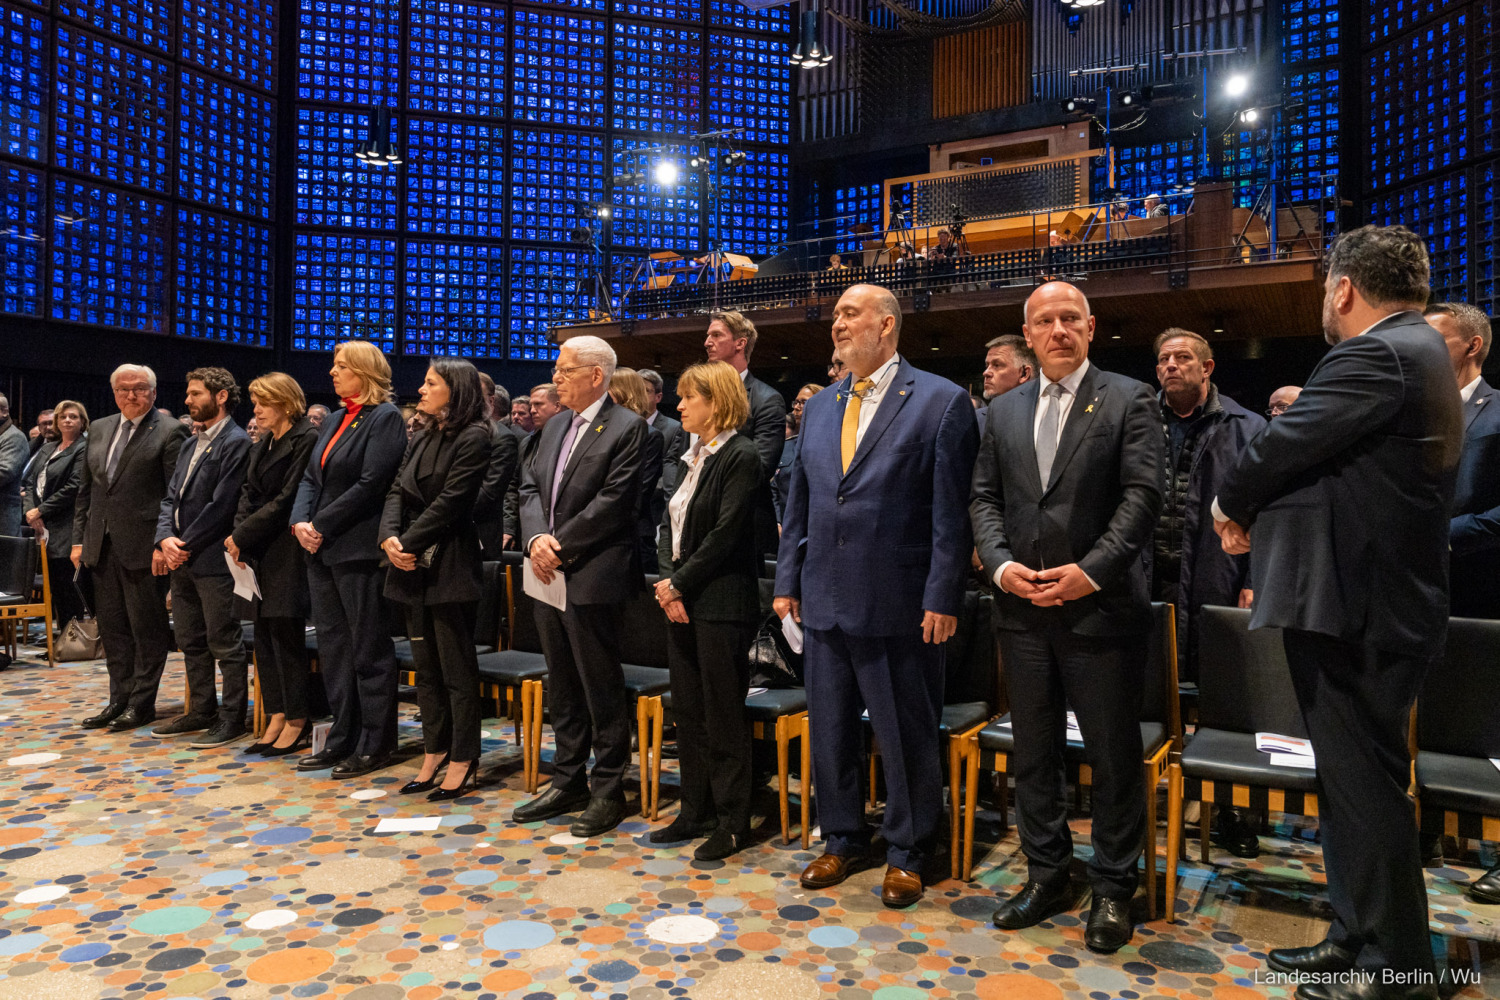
(671,602)
(399,557)
(307,536)
(1047,588)
(1234,539)
(168,556)
(544,558)
(935,627)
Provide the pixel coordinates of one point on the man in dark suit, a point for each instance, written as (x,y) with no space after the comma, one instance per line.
(1346,496)
(197,514)
(543,406)
(15,450)
(505,452)
(1008,362)
(874,548)
(731,339)
(1066,494)
(129,462)
(579,493)
(674,438)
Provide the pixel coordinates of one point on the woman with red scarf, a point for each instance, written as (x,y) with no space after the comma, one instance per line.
(336,519)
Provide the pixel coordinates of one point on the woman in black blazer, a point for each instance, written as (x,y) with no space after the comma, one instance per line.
(50,489)
(336,519)
(427,532)
(262,537)
(709,561)
(627,388)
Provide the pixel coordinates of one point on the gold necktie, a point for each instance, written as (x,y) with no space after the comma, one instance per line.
(849,440)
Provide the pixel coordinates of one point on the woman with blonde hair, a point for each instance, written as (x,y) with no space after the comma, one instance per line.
(262,538)
(48,497)
(335,520)
(628,389)
(708,562)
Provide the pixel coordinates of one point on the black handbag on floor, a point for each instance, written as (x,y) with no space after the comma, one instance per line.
(772,662)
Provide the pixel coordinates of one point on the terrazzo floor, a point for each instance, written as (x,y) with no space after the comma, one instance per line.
(134,867)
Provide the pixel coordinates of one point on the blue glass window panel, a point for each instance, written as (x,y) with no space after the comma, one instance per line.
(851,206)
(1487,245)
(108,257)
(1152,168)
(455,178)
(349,51)
(234,38)
(1311,135)
(751,88)
(681,11)
(544,292)
(1437,211)
(1393,17)
(559,69)
(223,287)
(1310,30)
(1421,125)
(754,206)
(344,289)
(1485,79)
(658,87)
(114,111)
(455,299)
(735,15)
(458,60)
(555,178)
(653,217)
(22,240)
(25,84)
(147,23)
(333,188)
(226,138)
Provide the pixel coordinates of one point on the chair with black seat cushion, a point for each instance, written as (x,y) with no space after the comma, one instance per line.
(487,618)
(1244,688)
(21,560)
(516,672)
(1458,732)
(643,658)
(989,749)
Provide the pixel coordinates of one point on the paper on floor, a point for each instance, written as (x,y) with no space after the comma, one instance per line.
(408,824)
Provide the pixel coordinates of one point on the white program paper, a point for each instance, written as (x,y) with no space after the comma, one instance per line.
(1495,761)
(1293,760)
(793,632)
(413,824)
(1273,743)
(244,578)
(554,594)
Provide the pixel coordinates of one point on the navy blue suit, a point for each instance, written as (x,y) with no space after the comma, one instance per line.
(199,511)
(343,496)
(867,552)
(1474,532)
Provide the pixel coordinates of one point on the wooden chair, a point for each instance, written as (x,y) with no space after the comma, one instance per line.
(21,559)
(514,674)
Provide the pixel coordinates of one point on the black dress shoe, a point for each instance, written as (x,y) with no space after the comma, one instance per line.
(680,829)
(1486,888)
(552,802)
(1366,984)
(669,751)
(131,718)
(318,761)
(1109,925)
(720,845)
(1236,835)
(220,734)
(182,725)
(1034,903)
(602,816)
(1430,849)
(111,712)
(361,764)
(1325,956)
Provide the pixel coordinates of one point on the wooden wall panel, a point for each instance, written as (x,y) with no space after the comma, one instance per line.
(981,70)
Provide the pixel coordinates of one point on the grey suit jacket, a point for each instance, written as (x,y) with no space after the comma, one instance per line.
(126,509)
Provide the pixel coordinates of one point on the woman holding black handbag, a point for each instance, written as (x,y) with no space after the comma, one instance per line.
(262,536)
(427,532)
(708,562)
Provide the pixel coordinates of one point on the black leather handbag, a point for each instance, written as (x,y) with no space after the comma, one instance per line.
(772,662)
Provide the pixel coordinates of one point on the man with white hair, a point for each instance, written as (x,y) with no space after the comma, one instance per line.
(579,488)
(127,467)
(15,449)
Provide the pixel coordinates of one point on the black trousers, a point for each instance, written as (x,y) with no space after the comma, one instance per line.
(442,643)
(1356,702)
(282,663)
(1047,672)
(207,629)
(66,603)
(355,656)
(710,673)
(132,612)
(586,697)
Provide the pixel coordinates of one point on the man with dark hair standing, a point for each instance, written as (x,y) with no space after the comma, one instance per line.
(880,480)
(731,339)
(501,476)
(1067,490)
(197,514)
(1347,497)
(1007,363)
(544,404)
(674,438)
(520,415)
(14,451)
(129,461)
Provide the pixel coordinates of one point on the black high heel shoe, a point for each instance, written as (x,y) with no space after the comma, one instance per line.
(301,743)
(414,786)
(470,782)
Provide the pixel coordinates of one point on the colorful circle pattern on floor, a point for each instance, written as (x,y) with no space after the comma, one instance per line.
(136,868)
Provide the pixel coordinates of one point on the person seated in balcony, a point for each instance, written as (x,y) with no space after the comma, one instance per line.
(946,247)
(1153,208)
(836,262)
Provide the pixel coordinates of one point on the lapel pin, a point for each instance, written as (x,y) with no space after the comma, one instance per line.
(1089,408)
(599,429)
(901,393)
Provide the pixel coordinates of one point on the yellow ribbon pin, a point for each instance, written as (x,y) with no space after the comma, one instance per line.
(1089,408)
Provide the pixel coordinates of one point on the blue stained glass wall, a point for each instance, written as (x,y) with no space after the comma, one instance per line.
(735,15)
(560,69)
(656,216)
(455,180)
(754,216)
(344,289)
(333,188)
(658,81)
(223,279)
(752,83)
(147,23)
(1403,143)
(458,58)
(349,51)
(226,137)
(108,257)
(544,286)
(26,84)
(1437,211)
(114,111)
(22,197)
(234,38)
(554,175)
(455,299)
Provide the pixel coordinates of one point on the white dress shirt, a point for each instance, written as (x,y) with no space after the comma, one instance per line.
(880,379)
(201,444)
(1467,392)
(678,505)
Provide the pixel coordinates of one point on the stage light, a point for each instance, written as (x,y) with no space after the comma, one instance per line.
(733,160)
(1074,105)
(629,177)
(1129,99)
(1087,3)
(666,173)
(1250,116)
(379,150)
(810,52)
(1237,85)
(698,163)
(603,211)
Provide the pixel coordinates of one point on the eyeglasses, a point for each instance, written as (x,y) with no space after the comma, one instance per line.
(558,373)
(132,390)
(1278,409)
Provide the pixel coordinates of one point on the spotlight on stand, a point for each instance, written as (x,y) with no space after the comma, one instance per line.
(1077,105)
(629,176)
(1249,116)
(666,173)
(733,160)
(698,163)
(811,52)
(582,235)
(604,212)
(1237,85)
(1129,99)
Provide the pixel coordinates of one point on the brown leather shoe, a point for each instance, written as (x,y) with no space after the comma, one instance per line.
(901,888)
(830,869)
